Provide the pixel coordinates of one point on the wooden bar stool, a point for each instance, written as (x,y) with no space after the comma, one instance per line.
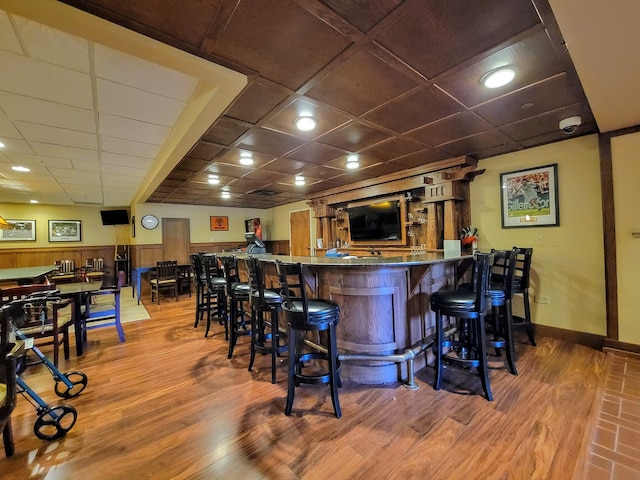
(266,337)
(308,315)
(465,345)
(237,293)
(215,296)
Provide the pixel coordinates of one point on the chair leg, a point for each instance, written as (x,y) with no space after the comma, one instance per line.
(7,437)
(438,351)
(275,344)
(483,367)
(508,333)
(527,318)
(254,335)
(291,371)
(333,370)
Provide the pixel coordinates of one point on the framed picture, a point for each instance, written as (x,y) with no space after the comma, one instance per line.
(65,230)
(529,198)
(21,231)
(219,224)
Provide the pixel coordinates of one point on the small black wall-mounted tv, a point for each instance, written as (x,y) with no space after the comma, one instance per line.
(114,217)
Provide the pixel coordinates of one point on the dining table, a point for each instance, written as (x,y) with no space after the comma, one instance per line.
(26,273)
(78,293)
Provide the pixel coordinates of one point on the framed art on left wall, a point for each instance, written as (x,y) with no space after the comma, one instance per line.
(21,231)
(65,230)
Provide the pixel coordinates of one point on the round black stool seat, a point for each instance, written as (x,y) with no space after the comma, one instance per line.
(463,346)
(312,322)
(322,316)
(266,337)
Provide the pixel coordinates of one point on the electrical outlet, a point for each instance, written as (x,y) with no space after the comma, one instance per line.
(541,299)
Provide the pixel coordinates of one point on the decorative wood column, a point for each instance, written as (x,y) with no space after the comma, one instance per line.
(323,214)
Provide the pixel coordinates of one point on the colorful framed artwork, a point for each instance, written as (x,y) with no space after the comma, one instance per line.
(65,230)
(219,224)
(529,197)
(21,231)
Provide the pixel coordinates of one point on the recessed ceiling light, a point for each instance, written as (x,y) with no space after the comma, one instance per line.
(213,179)
(225,195)
(2,145)
(33,201)
(246,158)
(498,77)
(305,124)
(20,168)
(299,181)
(352,162)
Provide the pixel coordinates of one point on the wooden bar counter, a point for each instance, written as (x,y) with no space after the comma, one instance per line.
(384,305)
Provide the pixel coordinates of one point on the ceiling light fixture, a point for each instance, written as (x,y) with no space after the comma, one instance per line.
(2,145)
(498,77)
(305,123)
(246,158)
(33,201)
(225,195)
(213,179)
(20,168)
(299,181)
(352,162)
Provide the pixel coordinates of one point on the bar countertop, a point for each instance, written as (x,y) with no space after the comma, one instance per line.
(368,261)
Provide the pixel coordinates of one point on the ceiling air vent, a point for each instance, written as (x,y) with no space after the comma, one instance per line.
(264,193)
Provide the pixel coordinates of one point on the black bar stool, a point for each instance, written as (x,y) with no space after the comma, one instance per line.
(308,315)
(215,296)
(499,325)
(467,341)
(237,293)
(265,336)
(521,287)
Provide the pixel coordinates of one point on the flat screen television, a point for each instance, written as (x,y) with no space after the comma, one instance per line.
(379,222)
(114,217)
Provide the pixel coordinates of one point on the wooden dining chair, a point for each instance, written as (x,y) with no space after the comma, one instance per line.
(45,317)
(9,353)
(166,277)
(102,307)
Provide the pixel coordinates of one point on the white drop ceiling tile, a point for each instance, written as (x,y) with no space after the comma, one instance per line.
(53,46)
(5,169)
(86,166)
(33,110)
(120,179)
(119,188)
(128,147)
(8,39)
(115,159)
(71,188)
(7,129)
(25,77)
(57,136)
(136,72)
(75,177)
(128,129)
(63,151)
(39,160)
(129,102)
(128,171)
(15,145)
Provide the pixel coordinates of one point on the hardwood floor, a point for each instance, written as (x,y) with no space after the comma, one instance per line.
(167,404)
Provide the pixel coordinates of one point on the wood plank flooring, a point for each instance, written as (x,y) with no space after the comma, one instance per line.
(168,404)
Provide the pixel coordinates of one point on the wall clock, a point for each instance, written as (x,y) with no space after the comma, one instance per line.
(149,222)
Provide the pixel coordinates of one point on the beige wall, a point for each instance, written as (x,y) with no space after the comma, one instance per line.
(93,232)
(626,173)
(568,261)
(199,221)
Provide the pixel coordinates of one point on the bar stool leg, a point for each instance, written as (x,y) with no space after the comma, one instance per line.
(438,351)
(483,367)
(527,318)
(291,371)
(333,370)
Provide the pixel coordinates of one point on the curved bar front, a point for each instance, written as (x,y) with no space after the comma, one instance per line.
(384,305)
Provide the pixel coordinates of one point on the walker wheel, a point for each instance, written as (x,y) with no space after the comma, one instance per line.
(55,422)
(77,379)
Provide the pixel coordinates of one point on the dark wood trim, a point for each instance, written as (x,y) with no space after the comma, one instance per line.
(622,346)
(590,340)
(609,235)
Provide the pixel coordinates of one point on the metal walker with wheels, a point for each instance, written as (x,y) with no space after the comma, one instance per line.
(53,421)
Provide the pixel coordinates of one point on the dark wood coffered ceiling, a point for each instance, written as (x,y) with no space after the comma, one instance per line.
(397,82)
